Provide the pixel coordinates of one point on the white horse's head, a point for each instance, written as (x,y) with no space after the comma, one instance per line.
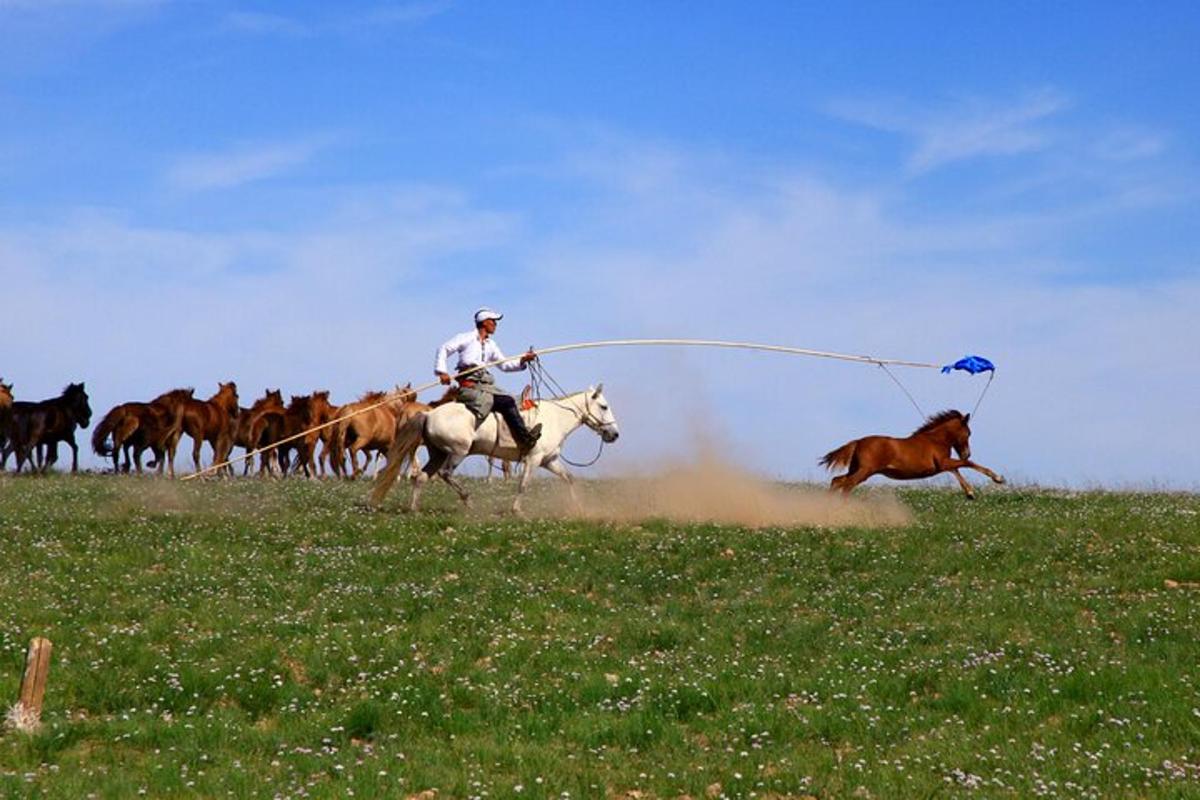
(598,415)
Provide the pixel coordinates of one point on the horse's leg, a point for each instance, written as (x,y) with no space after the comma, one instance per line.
(436,459)
(526,476)
(48,455)
(447,474)
(74,454)
(969,464)
(847,482)
(966,487)
(556,466)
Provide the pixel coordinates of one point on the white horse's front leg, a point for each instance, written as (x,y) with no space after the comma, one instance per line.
(556,466)
(525,477)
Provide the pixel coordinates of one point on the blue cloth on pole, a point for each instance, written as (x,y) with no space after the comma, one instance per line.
(971,364)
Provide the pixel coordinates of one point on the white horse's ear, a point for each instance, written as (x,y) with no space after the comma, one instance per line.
(599,389)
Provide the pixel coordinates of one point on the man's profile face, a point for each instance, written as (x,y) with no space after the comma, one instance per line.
(488,326)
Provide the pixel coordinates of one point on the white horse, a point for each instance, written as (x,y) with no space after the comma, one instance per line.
(448,432)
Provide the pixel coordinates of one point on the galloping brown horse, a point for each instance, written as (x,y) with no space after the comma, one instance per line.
(136,427)
(48,422)
(323,411)
(360,431)
(923,454)
(214,421)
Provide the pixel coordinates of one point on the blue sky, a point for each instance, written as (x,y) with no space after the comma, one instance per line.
(313,195)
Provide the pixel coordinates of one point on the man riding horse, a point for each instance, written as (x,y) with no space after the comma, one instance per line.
(478,391)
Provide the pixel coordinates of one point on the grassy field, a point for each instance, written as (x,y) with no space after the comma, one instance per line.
(262,639)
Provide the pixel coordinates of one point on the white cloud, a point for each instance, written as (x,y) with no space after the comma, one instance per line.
(199,172)
(964,131)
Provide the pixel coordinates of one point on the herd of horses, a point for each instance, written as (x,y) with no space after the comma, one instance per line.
(353,433)
(286,436)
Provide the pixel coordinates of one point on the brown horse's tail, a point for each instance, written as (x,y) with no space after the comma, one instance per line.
(840,457)
(409,436)
(337,447)
(104,430)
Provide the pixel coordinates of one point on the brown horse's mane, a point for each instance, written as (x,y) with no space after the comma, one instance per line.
(937,419)
(188,391)
(372,397)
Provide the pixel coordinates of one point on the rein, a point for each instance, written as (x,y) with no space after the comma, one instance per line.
(539,377)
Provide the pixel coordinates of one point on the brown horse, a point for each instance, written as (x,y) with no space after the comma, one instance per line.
(923,454)
(367,431)
(264,427)
(214,421)
(323,412)
(6,401)
(298,418)
(46,423)
(136,427)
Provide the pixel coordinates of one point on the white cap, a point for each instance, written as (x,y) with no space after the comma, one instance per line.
(485,313)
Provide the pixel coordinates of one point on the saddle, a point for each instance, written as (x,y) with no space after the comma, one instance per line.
(527,402)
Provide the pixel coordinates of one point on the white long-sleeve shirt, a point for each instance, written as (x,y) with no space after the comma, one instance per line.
(472,353)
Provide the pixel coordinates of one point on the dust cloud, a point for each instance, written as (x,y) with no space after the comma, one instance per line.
(709,489)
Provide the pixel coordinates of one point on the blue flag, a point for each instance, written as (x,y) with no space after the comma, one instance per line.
(971,364)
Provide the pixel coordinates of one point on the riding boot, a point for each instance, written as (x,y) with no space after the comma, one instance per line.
(524,437)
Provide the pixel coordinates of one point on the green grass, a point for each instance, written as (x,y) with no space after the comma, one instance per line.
(255,639)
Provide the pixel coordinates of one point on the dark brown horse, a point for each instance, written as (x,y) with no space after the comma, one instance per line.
(214,421)
(299,416)
(136,427)
(925,453)
(46,423)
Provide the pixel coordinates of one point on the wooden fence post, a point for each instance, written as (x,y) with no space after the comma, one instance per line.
(27,714)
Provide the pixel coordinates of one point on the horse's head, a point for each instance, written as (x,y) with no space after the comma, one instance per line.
(77,402)
(598,415)
(227,392)
(961,434)
(6,396)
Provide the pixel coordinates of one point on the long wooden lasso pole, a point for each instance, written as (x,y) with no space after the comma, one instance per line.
(562,348)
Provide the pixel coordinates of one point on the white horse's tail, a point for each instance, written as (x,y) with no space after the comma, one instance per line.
(409,436)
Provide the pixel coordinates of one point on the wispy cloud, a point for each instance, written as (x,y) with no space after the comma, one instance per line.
(89,5)
(339,21)
(242,165)
(968,130)
(262,23)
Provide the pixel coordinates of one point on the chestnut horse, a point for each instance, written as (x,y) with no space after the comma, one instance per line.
(371,431)
(136,427)
(214,421)
(46,423)
(322,412)
(922,455)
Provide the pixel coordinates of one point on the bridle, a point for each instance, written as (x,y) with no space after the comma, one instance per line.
(540,377)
